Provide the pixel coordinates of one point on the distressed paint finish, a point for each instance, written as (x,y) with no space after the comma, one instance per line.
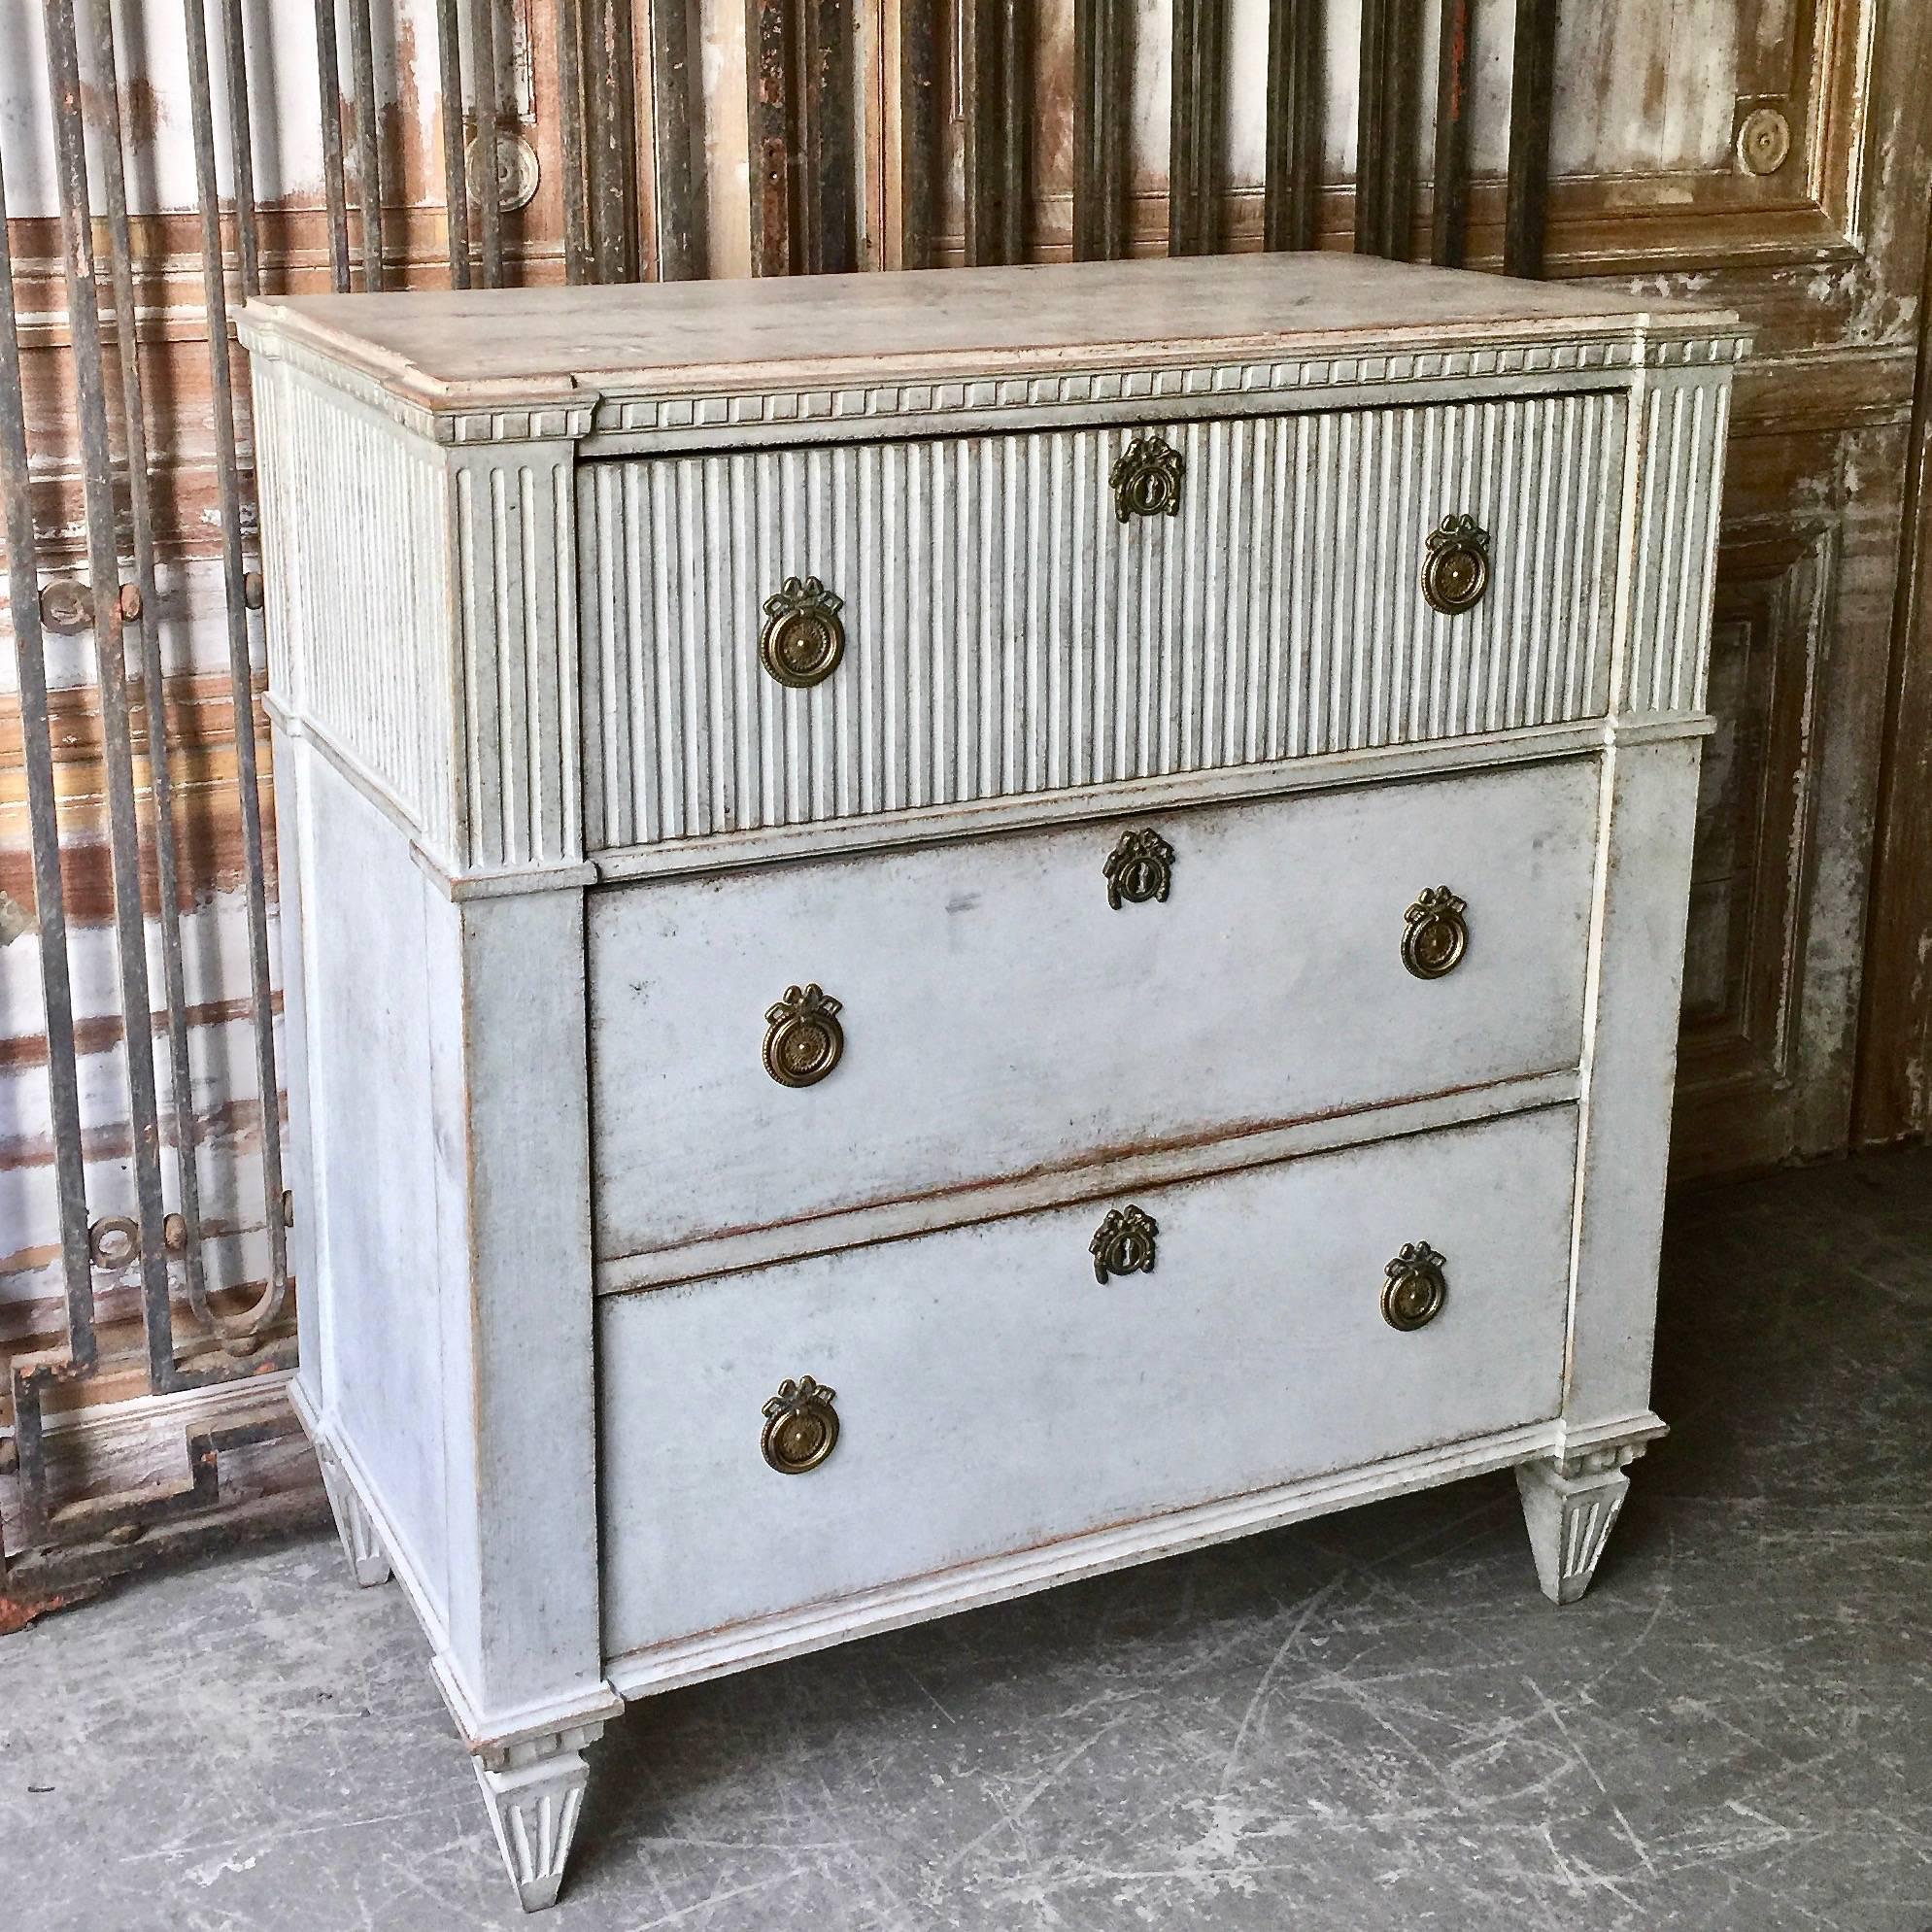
(550,1435)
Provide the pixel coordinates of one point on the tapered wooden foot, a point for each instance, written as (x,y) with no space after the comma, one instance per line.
(354,1524)
(1570,1504)
(535,1790)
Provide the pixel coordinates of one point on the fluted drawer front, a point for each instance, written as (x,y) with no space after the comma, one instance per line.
(998,1013)
(1006,633)
(992,1396)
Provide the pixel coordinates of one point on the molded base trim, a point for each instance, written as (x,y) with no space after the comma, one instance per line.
(993,1579)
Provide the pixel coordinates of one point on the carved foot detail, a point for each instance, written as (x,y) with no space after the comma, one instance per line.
(535,1790)
(1570,1504)
(352,1523)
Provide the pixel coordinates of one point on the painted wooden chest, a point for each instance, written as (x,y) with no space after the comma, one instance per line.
(946,931)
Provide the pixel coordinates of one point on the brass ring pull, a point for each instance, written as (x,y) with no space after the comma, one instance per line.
(1147,480)
(802,1037)
(1437,934)
(1456,571)
(1123,1243)
(1414,1294)
(800,1427)
(803,640)
(1139,867)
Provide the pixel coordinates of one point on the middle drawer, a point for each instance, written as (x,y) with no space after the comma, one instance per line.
(1001,1016)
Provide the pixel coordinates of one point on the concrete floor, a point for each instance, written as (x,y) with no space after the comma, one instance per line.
(1370,1721)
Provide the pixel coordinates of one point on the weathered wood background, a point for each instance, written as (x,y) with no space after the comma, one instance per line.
(1772,154)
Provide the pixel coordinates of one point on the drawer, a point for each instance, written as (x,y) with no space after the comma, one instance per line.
(1006,632)
(992,1395)
(1001,1017)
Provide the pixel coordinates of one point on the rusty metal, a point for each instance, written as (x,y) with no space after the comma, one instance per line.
(995,89)
(1532,101)
(609,138)
(241,142)
(919,132)
(235,572)
(369,149)
(1291,188)
(1385,128)
(44,837)
(104,104)
(335,195)
(803,204)
(1196,160)
(1448,213)
(1103,78)
(486,86)
(456,182)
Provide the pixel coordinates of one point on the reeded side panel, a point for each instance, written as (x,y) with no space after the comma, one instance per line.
(1674,553)
(1008,635)
(356,557)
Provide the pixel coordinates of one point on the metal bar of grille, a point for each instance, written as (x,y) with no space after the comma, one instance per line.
(104,110)
(230,487)
(63,75)
(241,146)
(1104,65)
(568,25)
(1291,191)
(769,64)
(1448,214)
(42,827)
(328,80)
(1532,97)
(610,141)
(368,153)
(1194,165)
(831,231)
(677,202)
(919,132)
(456,186)
(1385,129)
(997,90)
(489,100)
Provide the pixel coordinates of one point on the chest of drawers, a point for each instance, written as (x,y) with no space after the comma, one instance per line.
(943,932)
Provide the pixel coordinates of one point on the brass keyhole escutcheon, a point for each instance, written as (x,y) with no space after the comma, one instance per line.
(1437,933)
(1414,1294)
(802,1037)
(803,640)
(800,1426)
(1123,1243)
(1139,867)
(1456,571)
(1147,480)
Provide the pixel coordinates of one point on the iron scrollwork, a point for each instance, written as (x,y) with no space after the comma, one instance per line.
(1139,867)
(1415,1287)
(1123,1243)
(1456,571)
(1147,480)
(800,1426)
(804,638)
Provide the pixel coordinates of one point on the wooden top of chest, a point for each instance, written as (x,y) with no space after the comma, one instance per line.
(461,349)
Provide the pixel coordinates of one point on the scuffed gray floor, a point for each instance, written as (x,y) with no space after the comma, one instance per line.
(1372,1721)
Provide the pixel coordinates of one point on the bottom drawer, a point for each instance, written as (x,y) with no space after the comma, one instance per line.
(993,1395)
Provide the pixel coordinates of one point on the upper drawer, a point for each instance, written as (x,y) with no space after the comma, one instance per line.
(1006,633)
